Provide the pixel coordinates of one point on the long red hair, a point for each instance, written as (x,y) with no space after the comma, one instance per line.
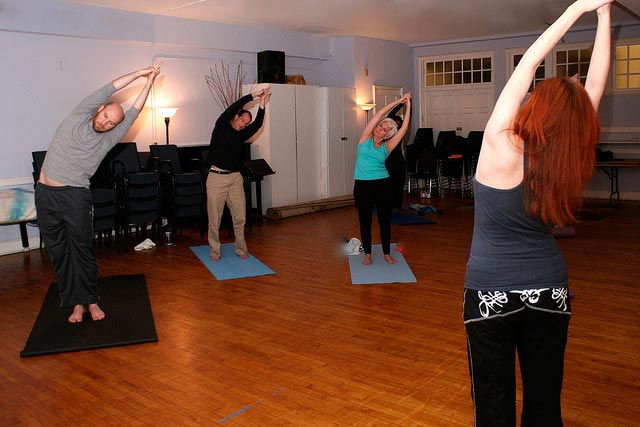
(561,130)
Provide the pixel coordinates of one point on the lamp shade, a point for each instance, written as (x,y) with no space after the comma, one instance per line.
(167,111)
(367,107)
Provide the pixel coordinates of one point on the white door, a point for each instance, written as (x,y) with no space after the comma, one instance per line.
(308,147)
(340,140)
(335,164)
(383,95)
(276,144)
(457,109)
(349,137)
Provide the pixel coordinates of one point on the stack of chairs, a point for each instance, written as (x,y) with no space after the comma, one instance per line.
(474,143)
(450,150)
(422,142)
(182,189)
(105,216)
(138,192)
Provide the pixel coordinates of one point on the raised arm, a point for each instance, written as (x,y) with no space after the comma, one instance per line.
(264,95)
(600,57)
(399,136)
(517,87)
(150,73)
(380,114)
(125,80)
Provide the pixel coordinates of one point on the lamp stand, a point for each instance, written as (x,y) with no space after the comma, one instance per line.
(166,122)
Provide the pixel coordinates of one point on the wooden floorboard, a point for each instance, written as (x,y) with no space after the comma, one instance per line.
(305,347)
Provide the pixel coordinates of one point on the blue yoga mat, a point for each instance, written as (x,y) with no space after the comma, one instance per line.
(230,265)
(409,219)
(379,271)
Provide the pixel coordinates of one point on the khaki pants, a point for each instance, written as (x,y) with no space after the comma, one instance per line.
(227,189)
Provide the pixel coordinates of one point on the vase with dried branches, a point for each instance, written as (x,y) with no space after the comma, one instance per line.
(225,86)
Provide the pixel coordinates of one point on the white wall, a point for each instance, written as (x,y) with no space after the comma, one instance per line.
(387,63)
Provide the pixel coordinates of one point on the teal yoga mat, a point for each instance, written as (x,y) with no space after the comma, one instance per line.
(379,271)
(230,265)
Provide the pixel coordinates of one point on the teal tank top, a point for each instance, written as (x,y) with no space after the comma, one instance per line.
(370,161)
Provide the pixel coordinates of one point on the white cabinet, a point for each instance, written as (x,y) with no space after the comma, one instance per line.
(308,139)
(290,143)
(340,140)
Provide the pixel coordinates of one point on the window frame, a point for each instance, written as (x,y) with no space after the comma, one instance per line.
(470,56)
(614,74)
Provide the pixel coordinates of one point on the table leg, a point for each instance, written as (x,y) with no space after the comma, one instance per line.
(24,236)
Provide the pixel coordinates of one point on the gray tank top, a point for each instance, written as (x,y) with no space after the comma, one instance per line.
(511,250)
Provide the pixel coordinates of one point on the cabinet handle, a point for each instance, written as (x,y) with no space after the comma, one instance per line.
(344,138)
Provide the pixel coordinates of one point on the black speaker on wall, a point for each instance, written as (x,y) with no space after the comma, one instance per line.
(271,67)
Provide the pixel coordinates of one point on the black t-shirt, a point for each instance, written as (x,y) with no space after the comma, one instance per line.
(225,149)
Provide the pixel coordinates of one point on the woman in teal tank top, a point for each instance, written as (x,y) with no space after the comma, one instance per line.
(372,185)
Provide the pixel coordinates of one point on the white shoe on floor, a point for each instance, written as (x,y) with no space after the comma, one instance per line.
(146,244)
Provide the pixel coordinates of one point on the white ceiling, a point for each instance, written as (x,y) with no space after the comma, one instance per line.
(406,21)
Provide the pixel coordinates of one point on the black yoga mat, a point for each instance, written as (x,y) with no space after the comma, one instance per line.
(128,320)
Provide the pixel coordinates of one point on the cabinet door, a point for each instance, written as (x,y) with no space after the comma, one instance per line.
(350,132)
(341,140)
(276,143)
(282,136)
(308,148)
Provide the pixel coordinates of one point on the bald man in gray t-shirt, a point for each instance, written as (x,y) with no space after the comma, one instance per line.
(63,198)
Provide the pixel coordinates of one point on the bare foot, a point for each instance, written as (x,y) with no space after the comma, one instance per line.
(78,312)
(96,312)
(243,256)
(390,260)
(215,257)
(367,259)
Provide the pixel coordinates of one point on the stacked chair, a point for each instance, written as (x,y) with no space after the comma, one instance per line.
(426,172)
(182,190)
(105,215)
(450,150)
(474,143)
(416,158)
(138,191)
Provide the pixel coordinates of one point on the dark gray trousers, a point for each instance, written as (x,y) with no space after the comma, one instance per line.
(65,220)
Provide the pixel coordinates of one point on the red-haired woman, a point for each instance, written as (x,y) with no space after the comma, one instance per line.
(535,162)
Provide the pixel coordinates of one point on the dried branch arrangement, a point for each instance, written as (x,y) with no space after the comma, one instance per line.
(225,87)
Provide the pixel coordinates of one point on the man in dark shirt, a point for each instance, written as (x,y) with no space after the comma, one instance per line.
(224,183)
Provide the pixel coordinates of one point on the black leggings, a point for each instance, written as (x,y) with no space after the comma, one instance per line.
(367,194)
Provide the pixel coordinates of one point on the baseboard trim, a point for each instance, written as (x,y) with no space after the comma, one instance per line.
(15,246)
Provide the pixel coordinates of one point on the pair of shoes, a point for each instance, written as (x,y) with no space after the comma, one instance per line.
(146,244)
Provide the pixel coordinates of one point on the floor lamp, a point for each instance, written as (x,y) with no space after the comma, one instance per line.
(167,113)
(367,108)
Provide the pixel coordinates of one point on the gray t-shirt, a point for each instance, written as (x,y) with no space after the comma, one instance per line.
(76,149)
(511,250)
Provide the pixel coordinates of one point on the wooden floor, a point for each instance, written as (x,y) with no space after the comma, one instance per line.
(305,347)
